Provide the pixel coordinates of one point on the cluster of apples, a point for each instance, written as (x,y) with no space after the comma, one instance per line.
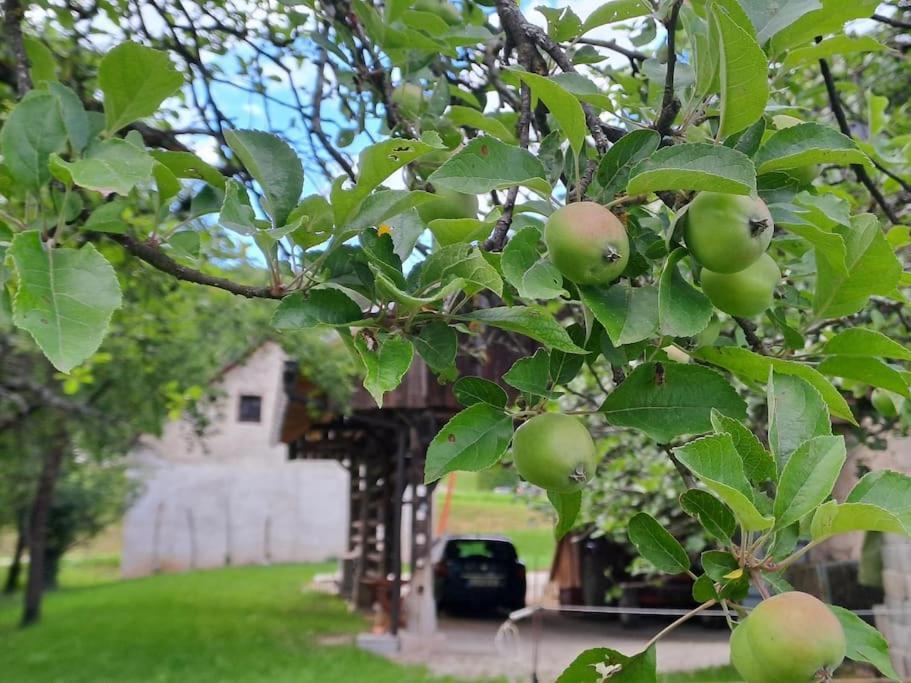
(729,236)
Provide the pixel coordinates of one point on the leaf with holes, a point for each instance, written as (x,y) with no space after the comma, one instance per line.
(472,440)
(386,360)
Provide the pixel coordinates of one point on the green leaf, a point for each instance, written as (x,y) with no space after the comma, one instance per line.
(388,290)
(472,118)
(584,89)
(524,269)
(380,253)
(472,440)
(628,314)
(459,230)
(837,45)
(614,168)
(108,217)
(318,307)
(755,368)
(832,519)
(563,106)
(531,374)
(75,119)
(671,399)
(744,72)
(602,664)
(236,210)
(65,298)
(683,311)
(386,360)
(870,371)
(694,166)
(717,564)
(888,489)
(769,18)
(860,341)
(567,506)
(188,165)
(530,321)
(713,515)
(274,165)
(33,131)
(657,545)
(808,478)
(865,643)
(871,269)
(113,165)
(437,343)
(135,80)
(41,62)
(829,246)
(486,164)
(614,11)
(807,144)
(797,413)
(758,463)
(716,463)
(375,164)
(465,262)
(471,390)
(704,587)
(830,19)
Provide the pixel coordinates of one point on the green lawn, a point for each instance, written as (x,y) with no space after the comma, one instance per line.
(237,624)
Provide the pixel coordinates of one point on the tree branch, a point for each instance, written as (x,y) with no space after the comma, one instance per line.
(845,128)
(670,105)
(155,257)
(895,23)
(13,14)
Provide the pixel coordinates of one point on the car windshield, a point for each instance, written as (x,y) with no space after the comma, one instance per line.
(496,550)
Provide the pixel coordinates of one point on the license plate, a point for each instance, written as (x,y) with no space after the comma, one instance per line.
(483,581)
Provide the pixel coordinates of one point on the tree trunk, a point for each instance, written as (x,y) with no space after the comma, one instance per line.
(15,568)
(37,541)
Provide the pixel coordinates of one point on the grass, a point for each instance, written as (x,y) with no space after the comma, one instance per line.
(235,624)
(485,512)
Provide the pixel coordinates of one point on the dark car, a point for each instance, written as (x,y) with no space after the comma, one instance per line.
(477,574)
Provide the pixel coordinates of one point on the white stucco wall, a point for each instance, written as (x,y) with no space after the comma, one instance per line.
(232,496)
(196,516)
(227,439)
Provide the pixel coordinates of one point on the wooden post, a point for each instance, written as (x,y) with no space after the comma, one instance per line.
(396,532)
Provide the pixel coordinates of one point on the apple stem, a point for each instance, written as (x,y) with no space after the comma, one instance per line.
(686,617)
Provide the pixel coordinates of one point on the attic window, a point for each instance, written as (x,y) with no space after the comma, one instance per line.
(250,409)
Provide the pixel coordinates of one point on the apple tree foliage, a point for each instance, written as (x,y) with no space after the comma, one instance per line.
(638,106)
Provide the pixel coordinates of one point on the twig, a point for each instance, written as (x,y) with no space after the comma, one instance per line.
(686,617)
(845,128)
(670,105)
(13,14)
(749,331)
(635,55)
(151,254)
(896,23)
(497,240)
(684,473)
